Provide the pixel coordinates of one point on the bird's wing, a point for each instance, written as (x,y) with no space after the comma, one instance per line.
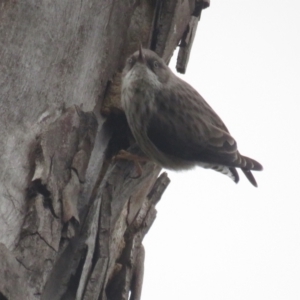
(185,126)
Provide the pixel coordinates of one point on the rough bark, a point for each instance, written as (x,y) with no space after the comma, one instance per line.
(72,220)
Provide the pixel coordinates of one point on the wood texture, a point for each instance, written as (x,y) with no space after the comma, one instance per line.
(72,220)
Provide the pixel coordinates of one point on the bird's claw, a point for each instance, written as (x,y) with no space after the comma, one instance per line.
(125,155)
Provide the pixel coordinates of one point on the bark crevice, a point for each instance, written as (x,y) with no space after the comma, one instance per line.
(72,221)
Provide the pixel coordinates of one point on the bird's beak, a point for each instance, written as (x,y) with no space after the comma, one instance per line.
(141,57)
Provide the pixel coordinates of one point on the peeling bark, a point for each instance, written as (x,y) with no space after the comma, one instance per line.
(72,221)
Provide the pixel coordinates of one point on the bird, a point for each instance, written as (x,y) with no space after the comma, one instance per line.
(173,125)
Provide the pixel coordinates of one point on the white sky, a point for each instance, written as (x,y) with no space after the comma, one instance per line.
(213,239)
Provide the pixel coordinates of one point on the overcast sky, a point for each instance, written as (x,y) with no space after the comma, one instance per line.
(213,239)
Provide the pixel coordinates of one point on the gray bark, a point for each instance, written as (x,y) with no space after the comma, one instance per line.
(72,220)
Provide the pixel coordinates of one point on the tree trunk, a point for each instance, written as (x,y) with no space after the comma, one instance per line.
(72,220)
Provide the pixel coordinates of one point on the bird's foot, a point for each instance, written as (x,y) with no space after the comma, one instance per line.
(125,155)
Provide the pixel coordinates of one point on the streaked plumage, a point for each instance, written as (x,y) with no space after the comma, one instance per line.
(172,124)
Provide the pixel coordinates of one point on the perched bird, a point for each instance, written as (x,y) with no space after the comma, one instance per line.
(173,125)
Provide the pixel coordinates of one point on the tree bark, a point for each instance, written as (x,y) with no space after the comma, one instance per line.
(72,220)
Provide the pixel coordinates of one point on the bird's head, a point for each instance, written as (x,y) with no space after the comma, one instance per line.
(147,63)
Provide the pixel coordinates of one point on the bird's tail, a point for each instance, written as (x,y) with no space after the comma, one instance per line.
(247,164)
(230,172)
(250,177)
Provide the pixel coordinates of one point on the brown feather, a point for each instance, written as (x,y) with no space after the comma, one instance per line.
(173,124)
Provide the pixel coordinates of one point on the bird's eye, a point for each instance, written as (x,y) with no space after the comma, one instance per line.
(155,64)
(130,60)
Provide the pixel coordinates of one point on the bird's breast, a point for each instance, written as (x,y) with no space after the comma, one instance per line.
(138,92)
